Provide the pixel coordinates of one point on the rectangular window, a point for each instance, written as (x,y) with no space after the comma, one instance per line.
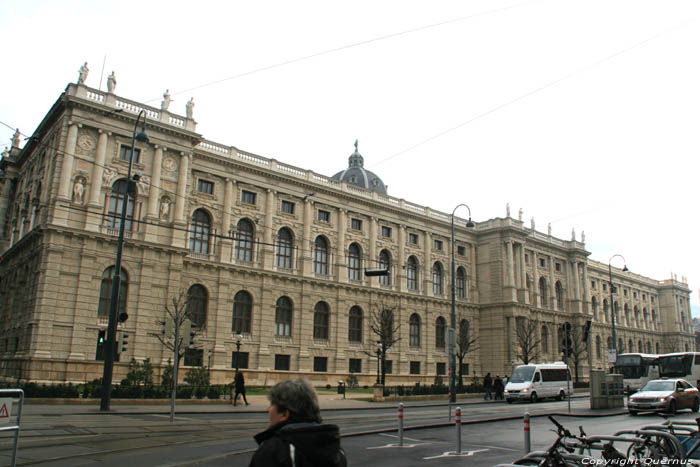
(321,364)
(281,362)
(557,267)
(527,258)
(388,367)
(355,365)
(441,368)
(461,251)
(413,239)
(206,187)
(634,294)
(248,197)
(542,263)
(625,292)
(437,244)
(415,368)
(356,224)
(194,357)
(605,287)
(465,369)
(386,231)
(288,207)
(125,151)
(240,358)
(324,216)
(593,284)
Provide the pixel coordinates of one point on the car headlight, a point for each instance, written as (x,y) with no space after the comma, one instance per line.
(525,390)
(663,399)
(633,399)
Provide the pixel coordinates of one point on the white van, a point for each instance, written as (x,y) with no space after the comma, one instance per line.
(538,381)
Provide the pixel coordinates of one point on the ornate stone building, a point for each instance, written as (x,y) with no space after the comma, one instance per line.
(276,254)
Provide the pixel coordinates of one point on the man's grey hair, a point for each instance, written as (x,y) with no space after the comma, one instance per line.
(298,397)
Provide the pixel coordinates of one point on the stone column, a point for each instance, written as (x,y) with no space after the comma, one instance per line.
(96,185)
(226,232)
(510,273)
(586,290)
(577,288)
(182,177)
(473,279)
(523,274)
(399,267)
(156,172)
(427,267)
(535,280)
(552,282)
(307,244)
(64,188)
(372,257)
(268,238)
(340,262)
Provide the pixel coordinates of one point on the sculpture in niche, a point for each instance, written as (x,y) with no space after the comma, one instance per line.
(145,184)
(83,73)
(107,175)
(164,208)
(79,190)
(111,83)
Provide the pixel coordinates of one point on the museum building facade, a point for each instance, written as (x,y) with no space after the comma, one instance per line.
(272,259)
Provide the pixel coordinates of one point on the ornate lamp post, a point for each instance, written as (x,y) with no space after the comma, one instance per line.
(612,300)
(379,357)
(116,278)
(238,349)
(453,316)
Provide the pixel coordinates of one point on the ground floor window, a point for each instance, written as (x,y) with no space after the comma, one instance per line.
(440,368)
(355,365)
(239,360)
(465,369)
(415,368)
(388,367)
(281,362)
(321,364)
(194,357)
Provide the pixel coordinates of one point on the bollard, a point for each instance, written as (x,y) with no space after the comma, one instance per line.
(401,424)
(526,430)
(458,425)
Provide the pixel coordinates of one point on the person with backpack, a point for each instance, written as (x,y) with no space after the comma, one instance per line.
(296,436)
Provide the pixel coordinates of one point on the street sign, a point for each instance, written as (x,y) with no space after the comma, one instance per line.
(612,355)
(5,411)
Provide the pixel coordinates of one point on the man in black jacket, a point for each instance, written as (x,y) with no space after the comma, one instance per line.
(296,437)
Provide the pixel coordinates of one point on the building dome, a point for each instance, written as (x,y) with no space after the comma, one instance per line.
(356,174)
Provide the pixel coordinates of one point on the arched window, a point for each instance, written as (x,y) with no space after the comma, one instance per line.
(285,243)
(244,240)
(598,350)
(461,283)
(653,322)
(116,204)
(321,321)
(630,346)
(414,330)
(620,346)
(437,278)
(645,315)
(528,284)
(106,292)
(385,263)
(640,346)
(610,342)
(543,292)
(658,350)
(199,232)
(242,311)
(545,340)
(197,305)
(463,339)
(321,256)
(440,330)
(412,273)
(355,324)
(559,292)
(617,312)
(627,315)
(283,317)
(594,307)
(354,263)
(648,347)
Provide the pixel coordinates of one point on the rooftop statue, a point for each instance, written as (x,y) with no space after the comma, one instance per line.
(83,73)
(189,108)
(166,101)
(111,83)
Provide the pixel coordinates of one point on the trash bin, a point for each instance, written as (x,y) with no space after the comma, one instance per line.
(341,388)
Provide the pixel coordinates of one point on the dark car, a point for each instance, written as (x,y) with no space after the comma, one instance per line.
(664,395)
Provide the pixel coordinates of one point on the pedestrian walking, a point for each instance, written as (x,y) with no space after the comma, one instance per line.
(488,386)
(296,436)
(239,387)
(498,388)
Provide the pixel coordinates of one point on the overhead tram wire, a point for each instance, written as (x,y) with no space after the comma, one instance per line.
(533,92)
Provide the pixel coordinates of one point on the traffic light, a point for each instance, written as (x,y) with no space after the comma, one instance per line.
(122,342)
(101,336)
(168,327)
(587,330)
(376,272)
(567,344)
(187,333)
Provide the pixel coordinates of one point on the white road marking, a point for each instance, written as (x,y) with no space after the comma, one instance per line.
(456,454)
(397,446)
(395,436)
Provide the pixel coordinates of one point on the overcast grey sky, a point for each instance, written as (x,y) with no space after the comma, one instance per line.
(584,114)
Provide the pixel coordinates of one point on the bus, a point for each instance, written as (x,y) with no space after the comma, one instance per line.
(684,365)
(636,369)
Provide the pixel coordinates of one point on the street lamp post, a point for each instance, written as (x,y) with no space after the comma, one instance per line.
(379,356)
(453,315)
(116,277)
(238,349)
(612,300)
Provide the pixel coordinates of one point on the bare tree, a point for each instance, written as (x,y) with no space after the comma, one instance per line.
(579,348)
(673,344)
(466,343)
(385,327)
(528,342)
